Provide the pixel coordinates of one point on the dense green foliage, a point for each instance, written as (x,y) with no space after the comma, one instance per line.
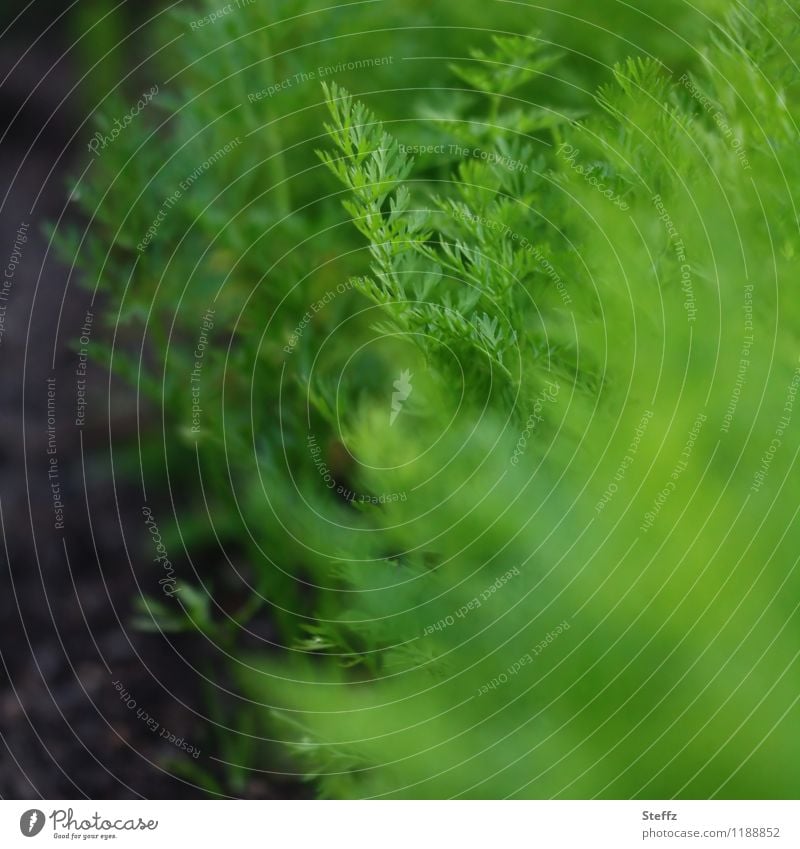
(500,432)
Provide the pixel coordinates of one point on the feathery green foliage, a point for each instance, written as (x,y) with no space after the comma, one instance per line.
(565,567)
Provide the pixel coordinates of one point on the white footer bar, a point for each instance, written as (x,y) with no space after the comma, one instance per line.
(401,825)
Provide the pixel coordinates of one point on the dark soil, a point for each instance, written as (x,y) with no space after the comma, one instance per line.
(66,596)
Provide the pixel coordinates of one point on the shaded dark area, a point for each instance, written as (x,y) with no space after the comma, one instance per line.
(66,595)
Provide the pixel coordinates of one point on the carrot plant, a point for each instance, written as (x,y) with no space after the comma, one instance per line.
(475,437)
